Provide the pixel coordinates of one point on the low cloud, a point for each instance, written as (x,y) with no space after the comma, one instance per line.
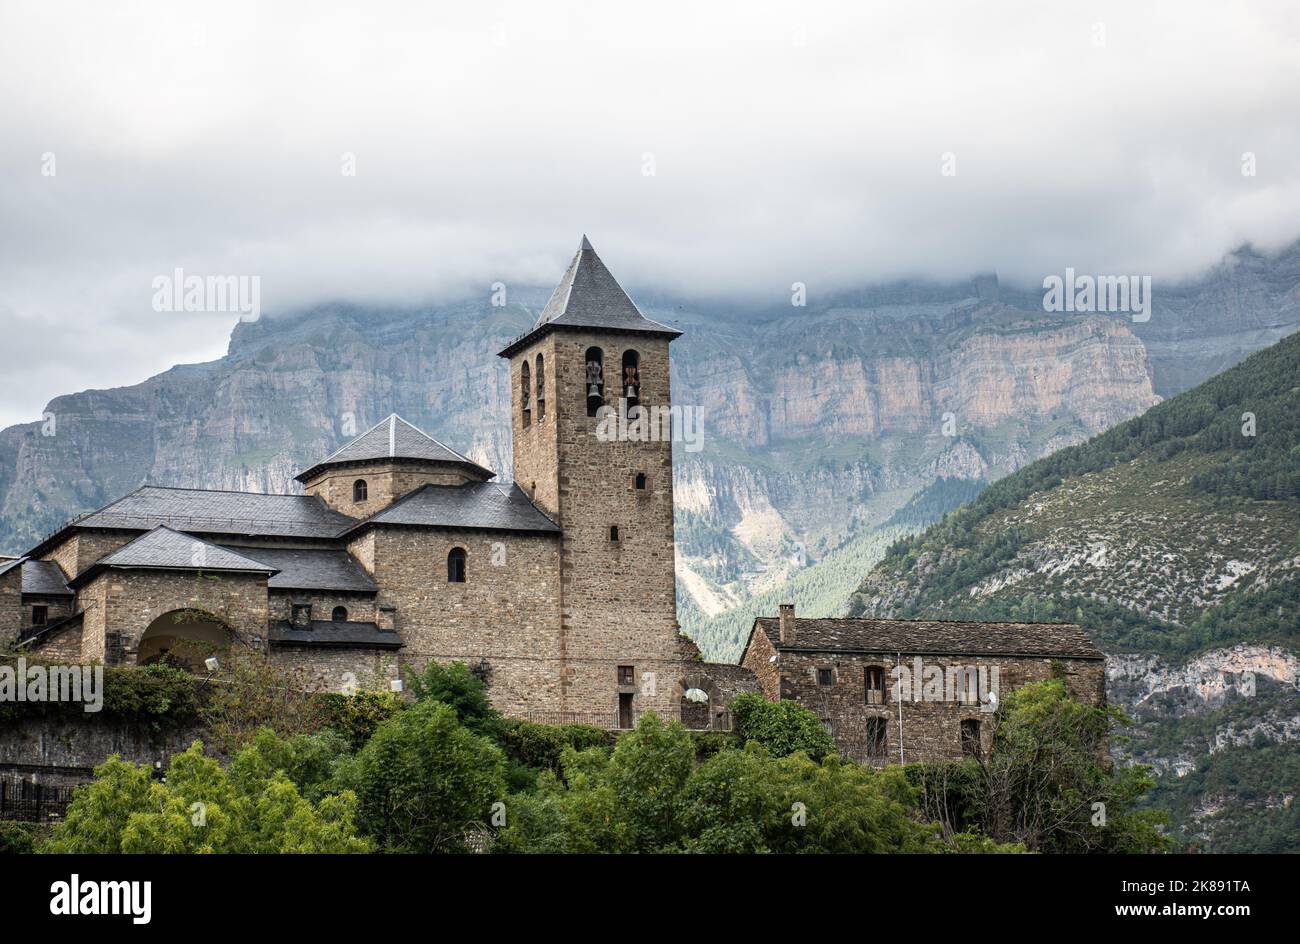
(710,150)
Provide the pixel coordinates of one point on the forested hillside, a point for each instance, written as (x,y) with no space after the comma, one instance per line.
(1174,539)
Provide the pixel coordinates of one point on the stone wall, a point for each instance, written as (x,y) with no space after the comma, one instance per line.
(506,611)
(620,595)
(63,646)
(11,604)
(929,729)
(85,547)
(56,608)
(119,605)
(759,658)
(361,607)
(339,669)
(385,483)
(86,742)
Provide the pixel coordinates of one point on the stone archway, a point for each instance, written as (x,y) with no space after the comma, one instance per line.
(185,637)
(699,714)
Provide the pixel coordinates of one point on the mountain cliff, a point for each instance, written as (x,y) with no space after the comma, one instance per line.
(822,424)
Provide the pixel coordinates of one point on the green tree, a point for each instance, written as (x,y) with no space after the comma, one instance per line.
(423,781)
(251,807)
(649,796)
(455,685)
(1050,784)
(782,727)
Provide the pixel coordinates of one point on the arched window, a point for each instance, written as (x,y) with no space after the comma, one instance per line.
(340,614)
(526,394)
(595,380)
(359,490)
(639,482)
(632,378)
(541,389)
(456,565)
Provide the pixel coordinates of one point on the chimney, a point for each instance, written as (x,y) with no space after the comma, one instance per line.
(786,631)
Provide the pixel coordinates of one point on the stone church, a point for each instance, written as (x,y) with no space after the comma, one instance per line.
(558,588)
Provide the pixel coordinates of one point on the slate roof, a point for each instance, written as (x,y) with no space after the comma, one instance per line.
(325,633)
(311,569)
(393,438)
(933,636)
(486,505)
(589,296)
(217,512)
(166,549)
(44,577)
(9,563)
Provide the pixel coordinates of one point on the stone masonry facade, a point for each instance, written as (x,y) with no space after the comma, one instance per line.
(914,701)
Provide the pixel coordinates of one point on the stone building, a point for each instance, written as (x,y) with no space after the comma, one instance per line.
(897,691)
(558,588)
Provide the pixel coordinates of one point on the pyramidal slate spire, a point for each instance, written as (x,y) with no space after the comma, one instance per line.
(587,297)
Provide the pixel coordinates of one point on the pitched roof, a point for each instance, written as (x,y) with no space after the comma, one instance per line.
(217,512)
(170,550)
(325,633)
(44,577)
(311,569)
(393,438)
(933,636)
(485,505)
(589,296)
(9,563)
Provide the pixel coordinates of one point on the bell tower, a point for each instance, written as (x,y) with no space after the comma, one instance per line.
(593,448)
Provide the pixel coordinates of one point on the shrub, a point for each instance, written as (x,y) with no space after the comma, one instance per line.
(423,781)
(781,727)
(250,807)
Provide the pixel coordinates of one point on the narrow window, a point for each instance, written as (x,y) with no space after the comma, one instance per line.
(632,378)
(613,532)
(970,737)
(39,615)
(359,490)
(541,389)
(595,380)
(626,675)
(340,614)
(968,684)
(875,685)
(640,481)
(625,710)
(525,394)
(824,677)
(877,737)
(456,565)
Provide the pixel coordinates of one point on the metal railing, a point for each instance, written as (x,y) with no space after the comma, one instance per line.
(614,720)
(33,802)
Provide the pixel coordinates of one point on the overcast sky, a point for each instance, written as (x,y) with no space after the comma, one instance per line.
(788,141)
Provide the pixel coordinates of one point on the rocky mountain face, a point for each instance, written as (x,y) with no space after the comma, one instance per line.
(819,423)
(1174,539)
